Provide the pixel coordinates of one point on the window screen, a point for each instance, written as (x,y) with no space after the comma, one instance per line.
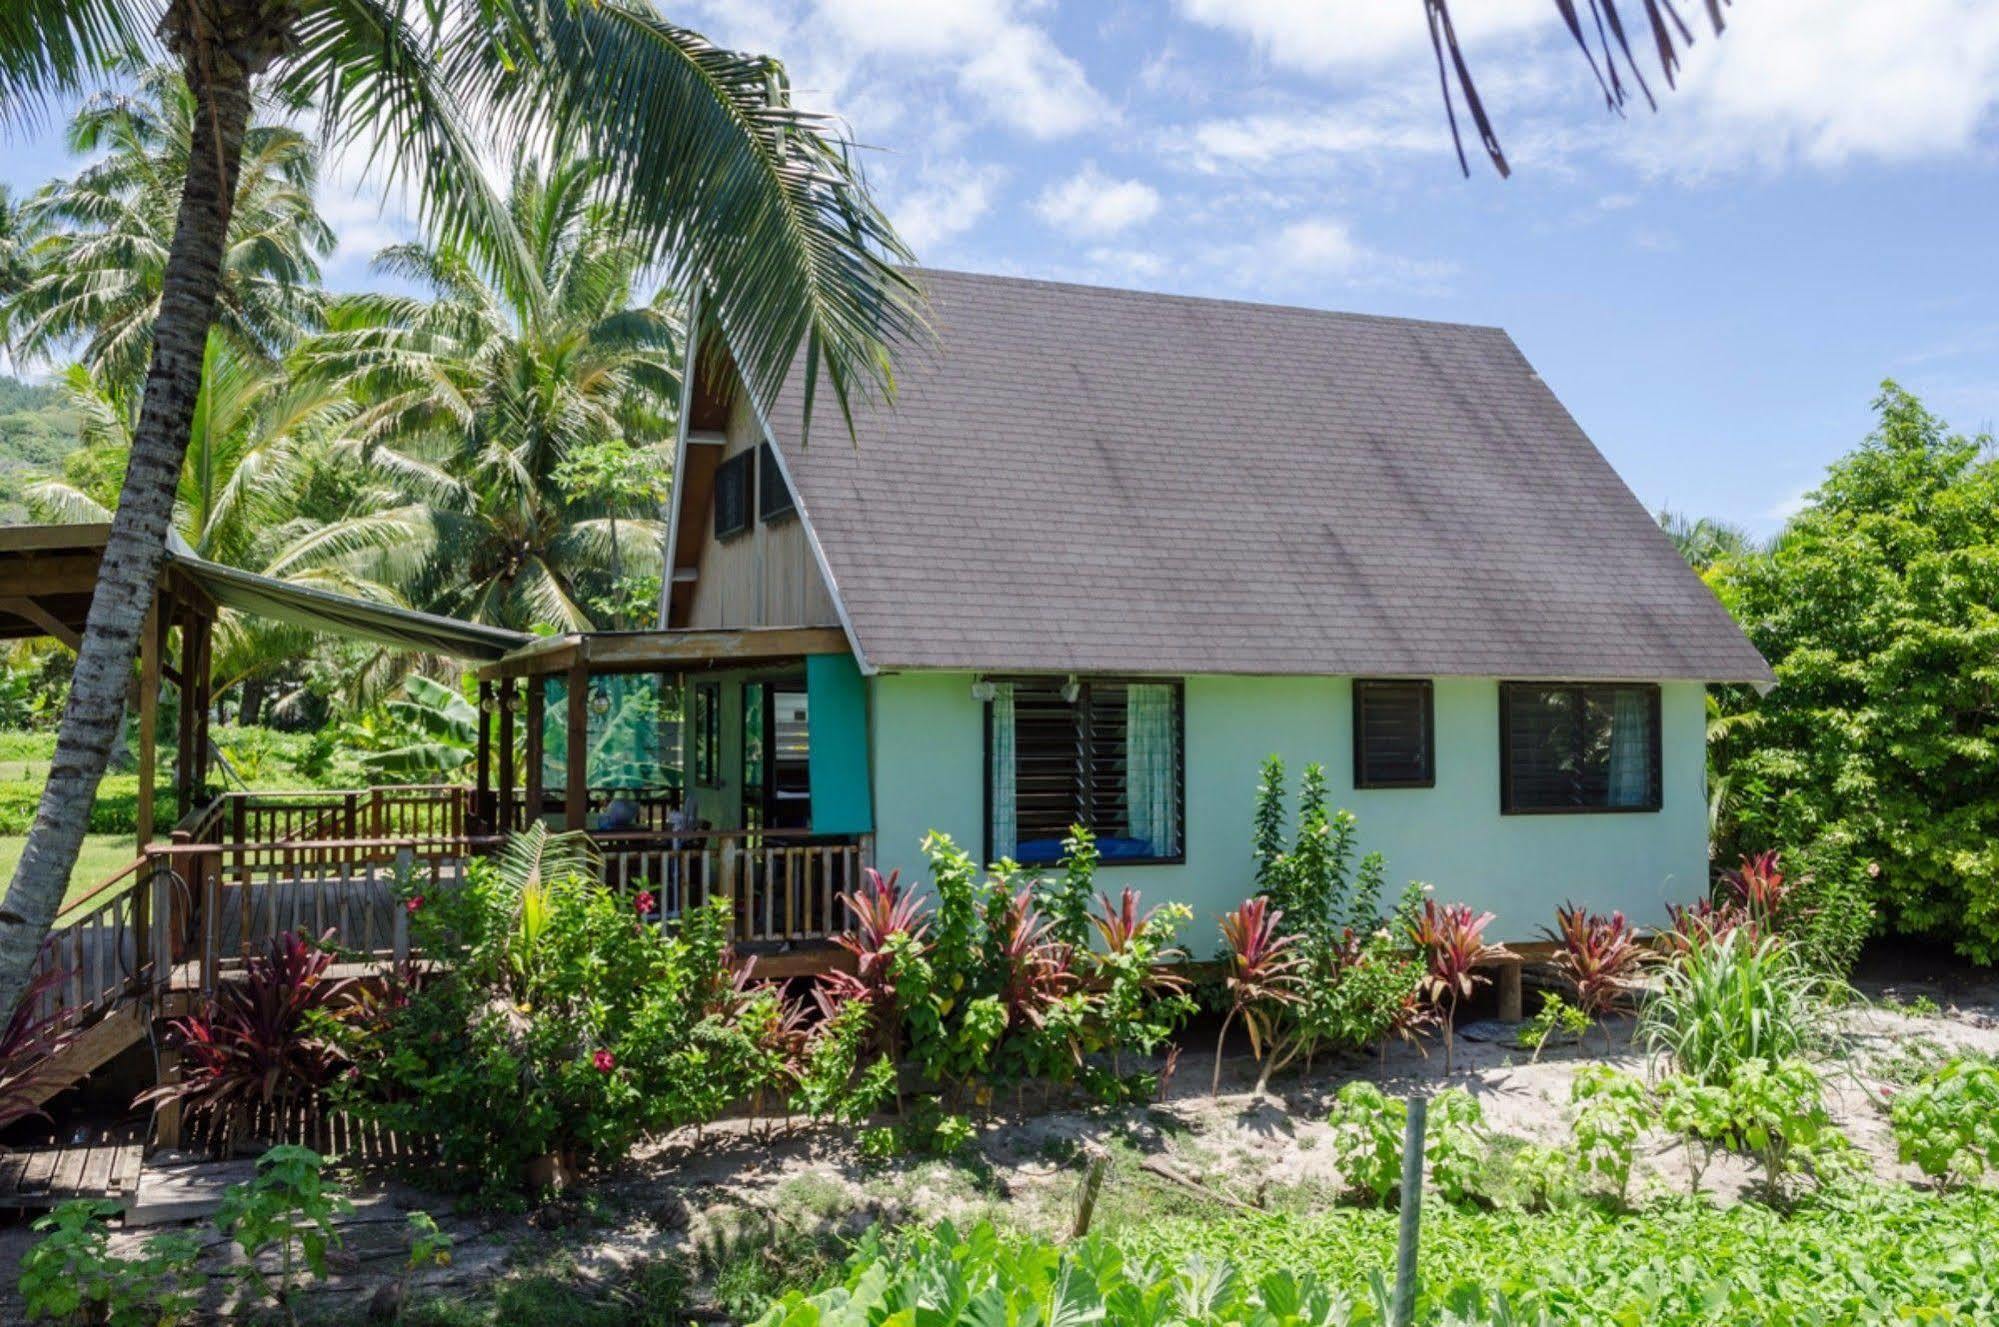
(1394,743)
(1578,747)
(773,494)
(732,495)
(1107,757)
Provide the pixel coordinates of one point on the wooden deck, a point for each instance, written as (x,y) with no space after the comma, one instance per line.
(104,1165)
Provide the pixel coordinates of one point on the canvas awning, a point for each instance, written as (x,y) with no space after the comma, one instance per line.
(47,573)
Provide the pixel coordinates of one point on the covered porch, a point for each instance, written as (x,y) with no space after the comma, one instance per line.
(702,763)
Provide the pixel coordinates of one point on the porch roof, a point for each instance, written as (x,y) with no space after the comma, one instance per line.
(50,573)
(665,651)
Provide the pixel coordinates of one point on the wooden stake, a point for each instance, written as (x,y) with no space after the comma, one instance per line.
(1404,1308)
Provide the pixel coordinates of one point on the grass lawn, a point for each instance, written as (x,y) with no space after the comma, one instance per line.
(102,855)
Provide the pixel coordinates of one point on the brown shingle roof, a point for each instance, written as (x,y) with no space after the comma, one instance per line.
(1081,479)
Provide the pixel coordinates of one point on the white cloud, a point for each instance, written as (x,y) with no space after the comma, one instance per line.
(1355,130)
(1321,249)
(950,202)
(1322,38)
(1094,204)
(1011,67)
(1826,82)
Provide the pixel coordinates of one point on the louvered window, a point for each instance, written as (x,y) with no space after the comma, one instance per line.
(1109,759)
(774,501)
(732,494)
(1394,743)
(1578,747)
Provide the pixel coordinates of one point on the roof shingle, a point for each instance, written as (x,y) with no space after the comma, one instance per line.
(1082,479)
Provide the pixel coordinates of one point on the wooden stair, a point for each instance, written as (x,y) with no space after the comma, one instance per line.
(95,1046)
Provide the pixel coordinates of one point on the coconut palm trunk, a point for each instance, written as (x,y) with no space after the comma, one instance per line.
(223,45)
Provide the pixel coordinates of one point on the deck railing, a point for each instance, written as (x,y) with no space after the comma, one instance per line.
(189,912)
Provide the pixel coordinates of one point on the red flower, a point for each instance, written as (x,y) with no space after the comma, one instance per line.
(411,905)
(643,903)
(605,1061)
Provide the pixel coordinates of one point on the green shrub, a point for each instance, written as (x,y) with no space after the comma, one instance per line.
(1699,1113)
(1612,1110)
(286,1209)
(71,1275)
(1730,1000)
(116,810)
(1777,1113)
(1556,1017)
(1455,1145)
(1948,1123)
(1367,1140)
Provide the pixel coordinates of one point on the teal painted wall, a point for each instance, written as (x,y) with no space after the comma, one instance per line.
(929,744)
(838,701)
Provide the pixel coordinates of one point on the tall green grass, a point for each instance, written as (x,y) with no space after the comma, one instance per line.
(1733,999)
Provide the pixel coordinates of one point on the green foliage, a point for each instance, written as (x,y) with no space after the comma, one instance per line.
(1455,1145)
(1065,900)
(1555,1018)
(1730,1000)
(835,1084)
(1875,1255)
(563,1026)
(1367,1140)
(1777,1113)
(427,735)
(288,1209)
(71,1275)
(1948,1123)
(1699,1113)
(1872,759)
(1612,1111)
(116,810)
(1533,1178)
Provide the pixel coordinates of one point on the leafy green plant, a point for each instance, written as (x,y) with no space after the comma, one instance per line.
(1455,1145)
(1777,1112)
(429,1246)
(1137,998)
(1600,958)
(1700,1114)
(287,1209)
(1556,1017)
(1534,1178)
(1612,1110)
(1729,1000)
(1948,1122)
(70,1274)
(1367,1140)
(1065,899)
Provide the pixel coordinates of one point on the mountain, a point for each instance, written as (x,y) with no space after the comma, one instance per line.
(36,432)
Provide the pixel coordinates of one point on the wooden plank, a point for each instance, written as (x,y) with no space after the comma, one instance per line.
(41,1169)
(12,1165)
(149,720)
(67,1178)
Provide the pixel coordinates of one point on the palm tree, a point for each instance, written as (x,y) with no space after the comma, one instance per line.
(1704,541)
(480,402)
(741,197)
(18,229)
(107,230)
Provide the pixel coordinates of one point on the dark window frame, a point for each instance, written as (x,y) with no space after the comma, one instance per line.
(705,732)
(1507,806)
(738,469)
(1180,746)
(775,502)
(1428,691)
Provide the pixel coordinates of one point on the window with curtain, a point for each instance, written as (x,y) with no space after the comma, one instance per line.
(1578,747)
(706,730)
(1110,759)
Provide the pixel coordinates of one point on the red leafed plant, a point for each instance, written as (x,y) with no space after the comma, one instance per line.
(1452,938)
(256,1041)
(30,1046)
(881,912)
(1599,956)
(1122,926)
(1705,922)
(1759,888)
(1035,971)
(1262,976)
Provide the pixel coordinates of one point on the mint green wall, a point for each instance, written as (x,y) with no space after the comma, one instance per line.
(838,700)
(928,749)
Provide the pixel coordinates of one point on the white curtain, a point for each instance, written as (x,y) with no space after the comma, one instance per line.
(1005,819)
(1152,767)
(1630,750)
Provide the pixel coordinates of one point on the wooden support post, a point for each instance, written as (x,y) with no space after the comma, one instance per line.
(1402,1309)
(149,719)
(1510,1004)
(576,762)
(537,762)
(506,800)
(167,1116)
(204,692)
(482,804)
(184,719)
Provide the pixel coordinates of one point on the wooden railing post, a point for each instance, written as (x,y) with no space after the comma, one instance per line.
(726,849)
(400,916)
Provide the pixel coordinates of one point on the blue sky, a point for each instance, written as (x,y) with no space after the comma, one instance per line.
(1715,290)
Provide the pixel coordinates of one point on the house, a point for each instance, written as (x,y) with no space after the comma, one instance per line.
(1107,550)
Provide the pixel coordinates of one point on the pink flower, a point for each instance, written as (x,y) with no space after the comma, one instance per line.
(413,904)
(643,903)
(605,1061)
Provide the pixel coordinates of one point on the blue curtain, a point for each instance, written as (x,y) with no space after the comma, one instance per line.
(1006,824)
(1631,750)
(1152,767)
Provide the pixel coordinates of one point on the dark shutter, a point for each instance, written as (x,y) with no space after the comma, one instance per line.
(1394,739)
(732,495)
(774,501)
(1071,764)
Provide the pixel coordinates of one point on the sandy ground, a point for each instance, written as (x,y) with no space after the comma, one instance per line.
(727,1189)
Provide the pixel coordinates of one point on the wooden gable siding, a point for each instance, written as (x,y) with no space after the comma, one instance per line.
(764,577)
